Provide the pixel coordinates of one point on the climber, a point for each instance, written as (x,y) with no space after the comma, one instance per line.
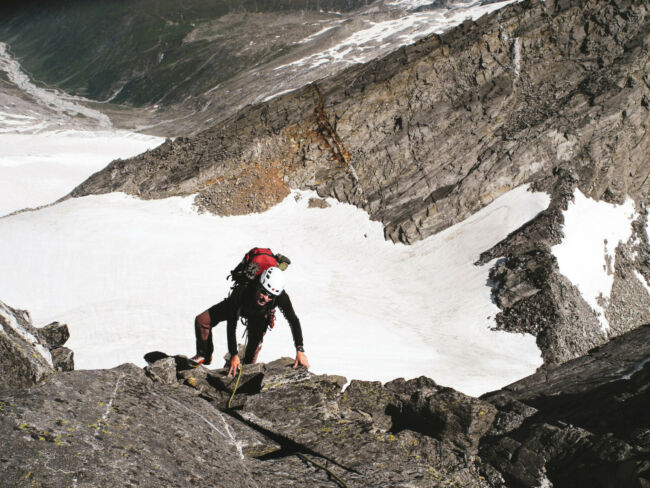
(256,303)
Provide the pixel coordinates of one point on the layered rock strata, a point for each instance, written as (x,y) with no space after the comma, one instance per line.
(431,133)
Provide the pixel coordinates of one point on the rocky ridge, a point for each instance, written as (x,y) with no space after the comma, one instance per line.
(584,423)
(426,136)
(534,297)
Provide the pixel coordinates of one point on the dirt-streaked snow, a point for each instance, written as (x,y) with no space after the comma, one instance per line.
(387,35)
(128,276)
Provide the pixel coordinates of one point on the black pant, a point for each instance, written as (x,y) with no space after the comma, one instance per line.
(256,328)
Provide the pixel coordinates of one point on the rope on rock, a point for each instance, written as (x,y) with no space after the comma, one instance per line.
(338,480)
(241,366)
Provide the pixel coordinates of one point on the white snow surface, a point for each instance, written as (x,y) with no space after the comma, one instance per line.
(36,169)
(586,256)
(642,280)
(128,276)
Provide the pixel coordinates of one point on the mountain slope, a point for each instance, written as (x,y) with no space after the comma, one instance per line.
(553,93)
(428,135)
(176,67)
(139,51)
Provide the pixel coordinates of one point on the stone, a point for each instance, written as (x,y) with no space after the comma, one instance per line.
(449,416)
(318,203)
(62,359)
(163,371)
(54,334)
(24,360)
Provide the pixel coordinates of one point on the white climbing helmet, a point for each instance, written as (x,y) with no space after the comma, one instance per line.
(272,280)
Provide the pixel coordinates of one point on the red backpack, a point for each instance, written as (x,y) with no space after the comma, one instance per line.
(255,262)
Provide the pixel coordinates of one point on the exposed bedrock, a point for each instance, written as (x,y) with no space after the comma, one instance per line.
(534,297)
(29,355)
(431,133)
(582,424)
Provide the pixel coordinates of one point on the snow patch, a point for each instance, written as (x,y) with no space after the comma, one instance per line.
(642,280)
(37,169)
(586,255)
(516,55)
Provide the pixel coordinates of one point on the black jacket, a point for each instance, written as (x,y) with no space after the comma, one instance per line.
(242,302)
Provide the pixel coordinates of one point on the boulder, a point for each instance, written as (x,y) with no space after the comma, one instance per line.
(24,359)
(450,416)
(54,334)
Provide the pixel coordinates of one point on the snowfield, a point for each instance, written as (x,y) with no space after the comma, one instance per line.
(128,277)
(37,169)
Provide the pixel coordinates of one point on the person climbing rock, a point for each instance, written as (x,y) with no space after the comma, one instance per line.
(255,302)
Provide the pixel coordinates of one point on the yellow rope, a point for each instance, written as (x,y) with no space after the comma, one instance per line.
(338,480)
(300,455)
(241,368)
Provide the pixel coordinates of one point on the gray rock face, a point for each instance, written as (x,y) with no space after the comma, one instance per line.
(582,424)
(29,355)
(450,416)
(433,132)
(535,298)
(116,428)
(360,434)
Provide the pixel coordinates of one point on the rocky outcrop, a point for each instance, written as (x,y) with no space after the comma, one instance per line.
(431,133)
(29,355)
(534,297)
(117,428)
(120,427)
(584,423)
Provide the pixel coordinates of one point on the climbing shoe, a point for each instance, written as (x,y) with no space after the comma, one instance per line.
(199,360)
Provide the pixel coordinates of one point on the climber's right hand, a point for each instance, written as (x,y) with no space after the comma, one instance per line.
(235,365)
